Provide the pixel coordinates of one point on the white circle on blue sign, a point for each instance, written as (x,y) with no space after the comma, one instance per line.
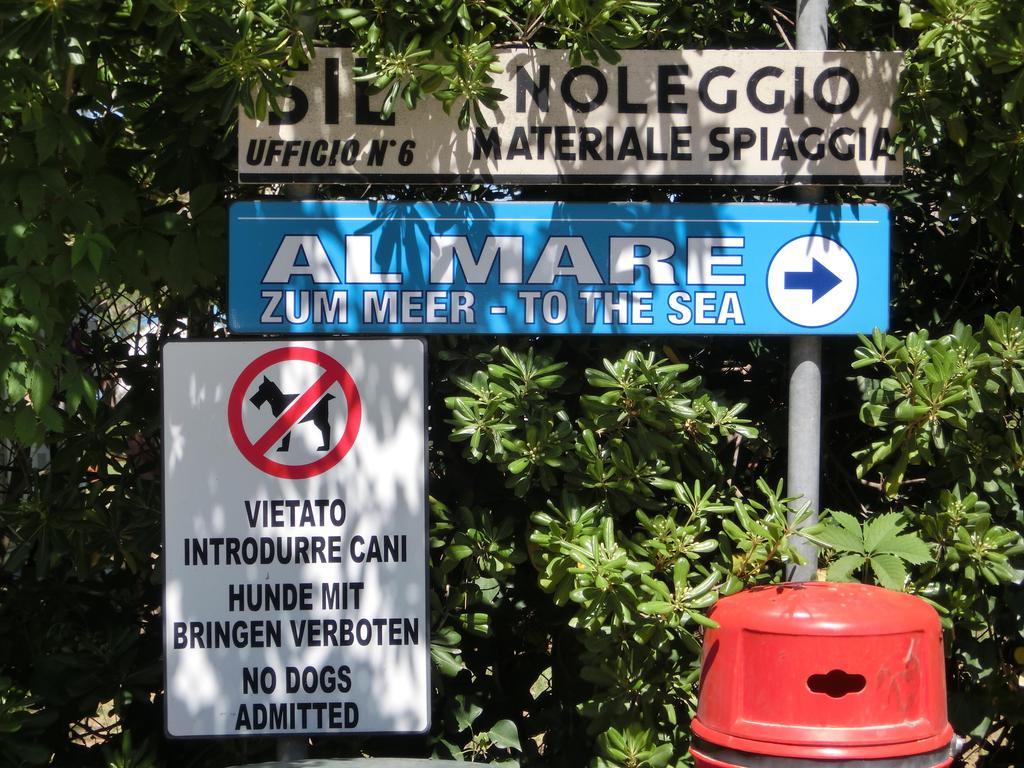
(812,281)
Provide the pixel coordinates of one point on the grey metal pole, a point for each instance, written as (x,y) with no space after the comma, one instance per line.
(812,25)
(307,23)
(803,473)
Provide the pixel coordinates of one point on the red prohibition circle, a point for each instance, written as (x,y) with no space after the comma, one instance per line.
(255,451)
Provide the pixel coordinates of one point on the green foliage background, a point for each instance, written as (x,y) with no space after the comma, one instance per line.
(590,501)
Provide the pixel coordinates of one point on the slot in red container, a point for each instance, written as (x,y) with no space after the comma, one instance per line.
(822,672)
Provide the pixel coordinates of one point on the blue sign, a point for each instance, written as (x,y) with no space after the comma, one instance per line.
(557,268)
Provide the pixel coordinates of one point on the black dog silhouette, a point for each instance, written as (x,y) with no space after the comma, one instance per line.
(269,392)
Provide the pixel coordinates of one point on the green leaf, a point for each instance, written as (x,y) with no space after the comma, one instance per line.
(458,551)
(703,620)
(51,419)
(504,734)
(30,189)
(837,538)
(95,254)
(660,757)
(26,428)
(446,662)
(74,52)
(905,14)
(911,548)
(518,465)
(202,197)
(880,531)
(907,411)
(889,571)
(47,140)
(849,523)
(40,387)
(476,622)
(467,713)
(542,684)
(844,568)
(116,198)
(656,608)
(957,128)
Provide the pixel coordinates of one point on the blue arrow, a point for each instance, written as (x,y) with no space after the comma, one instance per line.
(819,281)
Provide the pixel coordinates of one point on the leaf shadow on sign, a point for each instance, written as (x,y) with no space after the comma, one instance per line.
(840,131)
(598,121)
(381,481)
(573,268)
(564,252)
(777,116)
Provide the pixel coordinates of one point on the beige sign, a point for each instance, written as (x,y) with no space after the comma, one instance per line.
(676,117)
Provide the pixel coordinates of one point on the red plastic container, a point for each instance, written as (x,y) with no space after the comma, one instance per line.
(822,672)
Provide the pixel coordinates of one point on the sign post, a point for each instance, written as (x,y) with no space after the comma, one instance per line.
(295,537)
(803,466)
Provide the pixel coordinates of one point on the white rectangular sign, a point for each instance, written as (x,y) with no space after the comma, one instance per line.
(295,537)
(697,117)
